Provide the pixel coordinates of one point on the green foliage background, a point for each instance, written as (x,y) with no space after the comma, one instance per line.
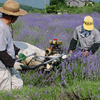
(61,5)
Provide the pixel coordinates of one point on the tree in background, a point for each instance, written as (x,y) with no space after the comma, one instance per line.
(55,5)
(55,2)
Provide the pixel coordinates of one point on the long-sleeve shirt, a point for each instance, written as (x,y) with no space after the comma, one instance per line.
(7,48)
(91,42)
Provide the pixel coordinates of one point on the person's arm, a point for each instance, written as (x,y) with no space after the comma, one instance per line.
(72,46)
(96,44)
(94,47)
(6,59)
(73,42)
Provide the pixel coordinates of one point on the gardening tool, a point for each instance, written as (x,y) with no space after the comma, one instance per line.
(26,57)
(33,67)
(55,47)
(52,56)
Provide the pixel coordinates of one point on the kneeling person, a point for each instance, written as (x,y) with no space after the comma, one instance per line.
(88,37)
(9,76)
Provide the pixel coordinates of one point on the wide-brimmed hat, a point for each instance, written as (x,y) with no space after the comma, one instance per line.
(88,23)
(11,7)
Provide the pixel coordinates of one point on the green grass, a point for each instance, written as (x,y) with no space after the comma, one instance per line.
(32,91)
(83,89)
(86,89)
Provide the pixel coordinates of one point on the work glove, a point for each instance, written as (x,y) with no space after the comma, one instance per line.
(18,65)
(22,56)
(66,56)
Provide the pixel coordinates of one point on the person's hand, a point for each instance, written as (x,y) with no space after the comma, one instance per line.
(66,56)
(22,56)
(86,53)
(17,65)
(70,52)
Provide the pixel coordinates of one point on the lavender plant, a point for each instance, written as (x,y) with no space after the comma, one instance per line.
(61,83)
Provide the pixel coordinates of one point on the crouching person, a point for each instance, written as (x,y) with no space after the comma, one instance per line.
(87,36)
(9,76)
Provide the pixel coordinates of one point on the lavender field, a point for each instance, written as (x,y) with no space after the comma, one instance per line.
(79,78)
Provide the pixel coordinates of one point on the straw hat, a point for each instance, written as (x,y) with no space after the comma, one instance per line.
(11,7)
(88,23)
